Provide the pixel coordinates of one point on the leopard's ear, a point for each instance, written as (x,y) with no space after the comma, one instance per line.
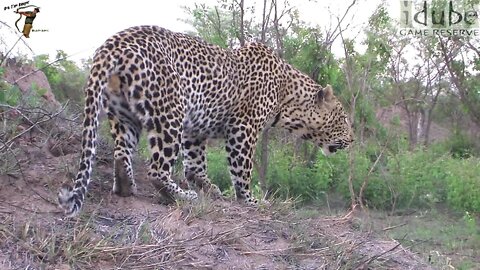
(325,94)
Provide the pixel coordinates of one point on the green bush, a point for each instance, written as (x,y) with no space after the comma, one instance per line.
(288,176)
(463,184)
(400,180)
(217,167)
(417,178)
(9,94)
(460,145)
(377,193)
(410,179)
(66,79)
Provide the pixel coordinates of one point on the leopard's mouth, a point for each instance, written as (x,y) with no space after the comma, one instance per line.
(329,149)
(332,148)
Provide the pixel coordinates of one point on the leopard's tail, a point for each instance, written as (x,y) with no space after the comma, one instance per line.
(71,198)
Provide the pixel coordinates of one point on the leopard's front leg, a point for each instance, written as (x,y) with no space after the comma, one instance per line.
(163,123)
(240,146)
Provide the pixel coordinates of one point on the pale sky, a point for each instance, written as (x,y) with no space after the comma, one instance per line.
(79,27)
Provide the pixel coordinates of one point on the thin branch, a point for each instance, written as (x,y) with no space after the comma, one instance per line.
(475,49)
(19,111)
(37,70)
(50,117)
(394,227)
(333,36)
(367,177)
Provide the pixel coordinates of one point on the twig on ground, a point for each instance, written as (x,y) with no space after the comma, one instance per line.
(267,252)
(27,210)
(375,257)
(345,217)
(43,198)
(394,227)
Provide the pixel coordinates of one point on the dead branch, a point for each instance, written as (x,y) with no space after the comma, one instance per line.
(21,112)
(331,37)
(367,177)
(394,227)
(365,264)
(35,124)
(475,49)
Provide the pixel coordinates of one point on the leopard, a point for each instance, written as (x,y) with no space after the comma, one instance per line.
(181,91)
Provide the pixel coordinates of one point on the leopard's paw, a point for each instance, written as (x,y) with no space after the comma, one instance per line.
(250,201)
(214,192)
(188,195)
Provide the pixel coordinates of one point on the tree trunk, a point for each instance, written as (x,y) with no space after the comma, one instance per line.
(457,78)
(242,23)
(420,124)
(428,120)
(312,159)
(298,147)
(276,26)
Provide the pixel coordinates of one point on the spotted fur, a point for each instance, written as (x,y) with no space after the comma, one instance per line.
(183,91)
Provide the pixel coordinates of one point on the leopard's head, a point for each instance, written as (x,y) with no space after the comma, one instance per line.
(319,118)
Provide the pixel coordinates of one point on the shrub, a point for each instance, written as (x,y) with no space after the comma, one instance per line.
(377,193)
(290,177)
(417,178)
(400,179)
(9,94)
(410,179)
(460,145)
(217,167)
(66,79)
(463,182)
(286,177)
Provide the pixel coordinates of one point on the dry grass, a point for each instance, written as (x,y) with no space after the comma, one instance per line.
(210,235)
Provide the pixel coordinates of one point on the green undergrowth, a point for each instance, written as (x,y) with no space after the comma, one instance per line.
(400,179)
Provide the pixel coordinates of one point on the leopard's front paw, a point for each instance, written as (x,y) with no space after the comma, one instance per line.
(250,201)
(188,195)
(69,200)
(214,192)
